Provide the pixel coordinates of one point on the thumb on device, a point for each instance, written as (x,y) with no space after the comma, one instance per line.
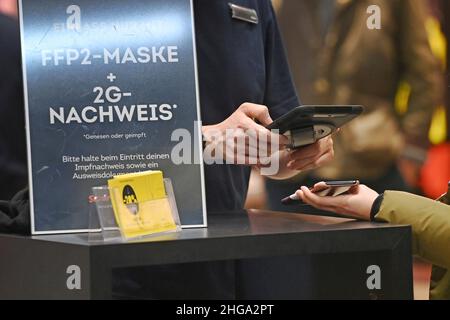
(257,112)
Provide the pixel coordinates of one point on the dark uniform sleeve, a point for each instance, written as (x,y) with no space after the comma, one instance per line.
(281,95)
(15,214)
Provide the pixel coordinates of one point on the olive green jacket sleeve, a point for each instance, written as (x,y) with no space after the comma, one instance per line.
(430,221)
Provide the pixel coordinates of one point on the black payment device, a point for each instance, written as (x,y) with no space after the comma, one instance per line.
(307,124)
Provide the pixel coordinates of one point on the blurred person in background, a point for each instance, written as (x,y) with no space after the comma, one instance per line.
(337,59)
(13,159)
(436,171)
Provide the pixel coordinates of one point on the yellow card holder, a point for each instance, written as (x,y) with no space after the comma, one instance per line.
(126,218)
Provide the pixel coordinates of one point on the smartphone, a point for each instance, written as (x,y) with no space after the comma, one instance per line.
(307,124)
(336,188)
(330,189)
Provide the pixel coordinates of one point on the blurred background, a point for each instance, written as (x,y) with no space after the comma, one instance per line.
(13,168)
(399,72)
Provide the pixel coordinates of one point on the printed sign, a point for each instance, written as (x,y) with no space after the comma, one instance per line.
(110,88)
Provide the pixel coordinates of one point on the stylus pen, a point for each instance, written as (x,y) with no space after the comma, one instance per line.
(291,199)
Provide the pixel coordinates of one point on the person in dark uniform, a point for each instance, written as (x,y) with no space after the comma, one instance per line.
(238,61)
(243,77)
(13,159)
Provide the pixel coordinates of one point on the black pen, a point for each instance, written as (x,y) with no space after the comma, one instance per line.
(291,199)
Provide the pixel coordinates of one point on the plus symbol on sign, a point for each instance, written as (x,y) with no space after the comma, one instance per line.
(111,77)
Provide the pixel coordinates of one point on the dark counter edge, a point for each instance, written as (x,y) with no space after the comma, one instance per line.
(344,238)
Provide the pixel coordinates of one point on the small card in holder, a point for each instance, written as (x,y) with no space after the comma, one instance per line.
(244,14)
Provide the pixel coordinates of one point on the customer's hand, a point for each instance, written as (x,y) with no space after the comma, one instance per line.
(357,203)
(239,139)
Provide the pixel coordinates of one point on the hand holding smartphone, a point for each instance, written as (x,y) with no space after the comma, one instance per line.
(324,189)
(306,125)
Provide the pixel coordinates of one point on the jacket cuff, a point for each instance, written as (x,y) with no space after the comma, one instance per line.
(376,207)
